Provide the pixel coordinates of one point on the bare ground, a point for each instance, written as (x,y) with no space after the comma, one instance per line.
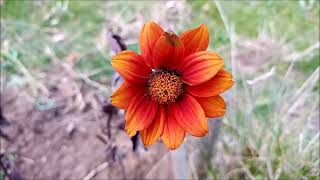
(70,140)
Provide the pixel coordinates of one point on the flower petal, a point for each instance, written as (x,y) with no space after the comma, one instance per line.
(213,106)
(131,66)
(122,97)
(141,112)
(168,51)
(190,115)
(151,134)
(217,85)
(200,67)
(149,35)
(173,134)
(196,39)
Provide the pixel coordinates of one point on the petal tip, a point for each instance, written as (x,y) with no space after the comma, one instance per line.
(203,26)
(173,39)
(131,133)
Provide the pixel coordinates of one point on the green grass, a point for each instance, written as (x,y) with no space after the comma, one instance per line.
(9,9)
(255,117)
(309,65)
(29,33)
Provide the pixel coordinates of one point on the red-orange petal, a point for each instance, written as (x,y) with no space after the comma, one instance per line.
(131,66)
(141,112)
(173,134)
(149,35)
(213,106)
(151,134)
(190,115)
(200,67)
(122,97)
(221,82)
(168,51)
(196,39)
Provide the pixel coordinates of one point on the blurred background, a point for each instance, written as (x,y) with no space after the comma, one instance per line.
(56,121)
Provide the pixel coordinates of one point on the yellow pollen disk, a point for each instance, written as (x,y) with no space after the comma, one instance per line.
(165,86)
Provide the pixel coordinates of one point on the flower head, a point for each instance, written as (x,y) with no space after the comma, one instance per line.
(172,87)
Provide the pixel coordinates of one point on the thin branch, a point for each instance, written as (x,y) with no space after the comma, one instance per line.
(262,77)
(307,86)
(95,171)
(314,140)
(231,33)
(298,56)
(269,168)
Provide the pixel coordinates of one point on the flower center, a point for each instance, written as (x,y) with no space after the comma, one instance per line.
(165,86)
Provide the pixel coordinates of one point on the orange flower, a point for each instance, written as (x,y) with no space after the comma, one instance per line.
(172,87)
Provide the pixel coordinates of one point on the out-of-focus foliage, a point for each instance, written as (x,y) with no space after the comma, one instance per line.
(268,130)
(277,117)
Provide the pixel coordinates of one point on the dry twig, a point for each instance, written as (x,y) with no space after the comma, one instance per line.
(96,170)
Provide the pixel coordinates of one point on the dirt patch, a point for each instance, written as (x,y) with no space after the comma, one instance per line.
(70,139)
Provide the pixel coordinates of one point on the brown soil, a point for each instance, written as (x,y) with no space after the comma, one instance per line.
(70,139)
